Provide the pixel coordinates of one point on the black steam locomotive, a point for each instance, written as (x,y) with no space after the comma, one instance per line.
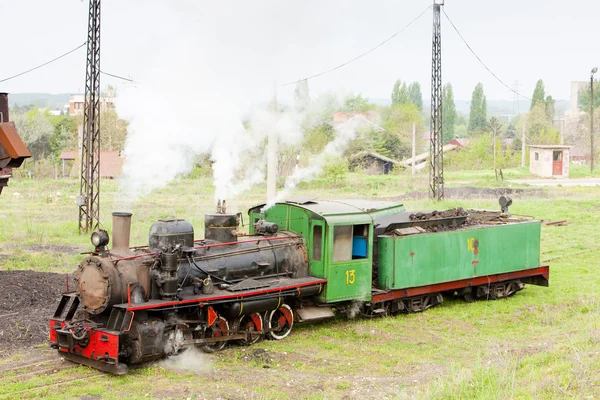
(134,305)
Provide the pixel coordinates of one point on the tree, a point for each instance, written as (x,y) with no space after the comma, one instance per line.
(113,131)
(400,93)
(358,104)
(478,112)
(398,120)
(550,109)
(538,95)
(414,95)
(448,113)
(64,135)
(301,96)
(494,125)
(584,98)
(316,139)
(36,130)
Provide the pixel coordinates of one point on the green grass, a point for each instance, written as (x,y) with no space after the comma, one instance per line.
(541,343)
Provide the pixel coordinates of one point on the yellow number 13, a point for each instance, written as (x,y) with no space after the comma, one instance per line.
(350,277)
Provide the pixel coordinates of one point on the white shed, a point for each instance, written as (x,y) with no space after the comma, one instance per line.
(549,160)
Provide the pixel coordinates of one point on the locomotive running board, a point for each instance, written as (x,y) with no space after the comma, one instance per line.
(120,369)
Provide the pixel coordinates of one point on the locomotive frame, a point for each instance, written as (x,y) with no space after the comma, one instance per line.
(304,258)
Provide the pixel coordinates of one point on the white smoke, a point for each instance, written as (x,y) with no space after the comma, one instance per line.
(190,359)
(206,89)
(344,133)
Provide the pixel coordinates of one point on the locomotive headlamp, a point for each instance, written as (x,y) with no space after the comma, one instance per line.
(100,238)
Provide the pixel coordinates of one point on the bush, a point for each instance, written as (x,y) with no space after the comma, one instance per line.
(335,170)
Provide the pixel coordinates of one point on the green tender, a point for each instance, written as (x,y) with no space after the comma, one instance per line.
(430,258)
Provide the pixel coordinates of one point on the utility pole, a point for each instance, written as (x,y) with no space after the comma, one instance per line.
(272,146)
(436,152)
(414,147)
(523,145)
(89,189)
(594,70)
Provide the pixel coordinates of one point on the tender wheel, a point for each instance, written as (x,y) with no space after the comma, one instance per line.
(219,328)
(281,321)
(251,324)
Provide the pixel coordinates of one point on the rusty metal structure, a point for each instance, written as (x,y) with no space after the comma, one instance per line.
(12,149)
(436,147)
(89,191)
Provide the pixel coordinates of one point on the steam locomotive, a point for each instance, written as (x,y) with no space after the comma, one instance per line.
(303,259)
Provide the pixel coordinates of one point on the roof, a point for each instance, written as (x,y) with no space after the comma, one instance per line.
(339,211)
(374,155)
(460,142)
(15,151)
(550,146)
(424,156)
(68,154)
(111,162)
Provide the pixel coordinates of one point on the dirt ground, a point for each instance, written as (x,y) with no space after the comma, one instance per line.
(27,301)
(471,192)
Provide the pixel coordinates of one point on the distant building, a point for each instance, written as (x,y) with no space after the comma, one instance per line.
(549,161)
(577,87)
(111,163)
(372,162)
(460,142)
(340,117)
(77,103)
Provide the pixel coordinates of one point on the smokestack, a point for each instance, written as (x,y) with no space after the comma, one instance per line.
(121,230)
(4,107)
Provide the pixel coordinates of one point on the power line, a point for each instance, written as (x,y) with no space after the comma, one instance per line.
(117,76)
(479,59)
(361,55)
(44,64)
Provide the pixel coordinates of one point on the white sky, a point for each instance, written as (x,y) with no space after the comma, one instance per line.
(520,40)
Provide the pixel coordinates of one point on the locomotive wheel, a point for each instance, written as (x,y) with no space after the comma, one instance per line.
(251,324)
(281,320)
(218,329)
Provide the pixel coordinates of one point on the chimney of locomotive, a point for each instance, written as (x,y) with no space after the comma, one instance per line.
(121,230)
(4,107)
(221,227)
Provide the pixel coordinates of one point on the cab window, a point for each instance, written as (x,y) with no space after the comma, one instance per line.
(317,242)
(350,242)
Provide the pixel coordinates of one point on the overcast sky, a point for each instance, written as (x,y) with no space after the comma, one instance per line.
(522,40)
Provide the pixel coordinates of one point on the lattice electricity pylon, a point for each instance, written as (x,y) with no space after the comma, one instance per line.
(436,156)
(89,190)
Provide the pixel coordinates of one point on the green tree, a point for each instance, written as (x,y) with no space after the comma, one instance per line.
(550,109)
(316,139)
(539,129)
(113,131)
(414,95)
(494,125)
(539,96)
(448,113)
(478,112)
(35,129)
(400,93)
(64,135)
(584,98)
(358,104)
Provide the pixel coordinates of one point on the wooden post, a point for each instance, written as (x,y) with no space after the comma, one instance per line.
(523,145)
(414,146)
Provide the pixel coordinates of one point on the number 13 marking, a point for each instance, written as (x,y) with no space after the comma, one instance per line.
(350,277)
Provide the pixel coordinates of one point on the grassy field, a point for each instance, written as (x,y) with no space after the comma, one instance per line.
(542,343)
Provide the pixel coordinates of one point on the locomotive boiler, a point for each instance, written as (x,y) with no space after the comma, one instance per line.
(303,260)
